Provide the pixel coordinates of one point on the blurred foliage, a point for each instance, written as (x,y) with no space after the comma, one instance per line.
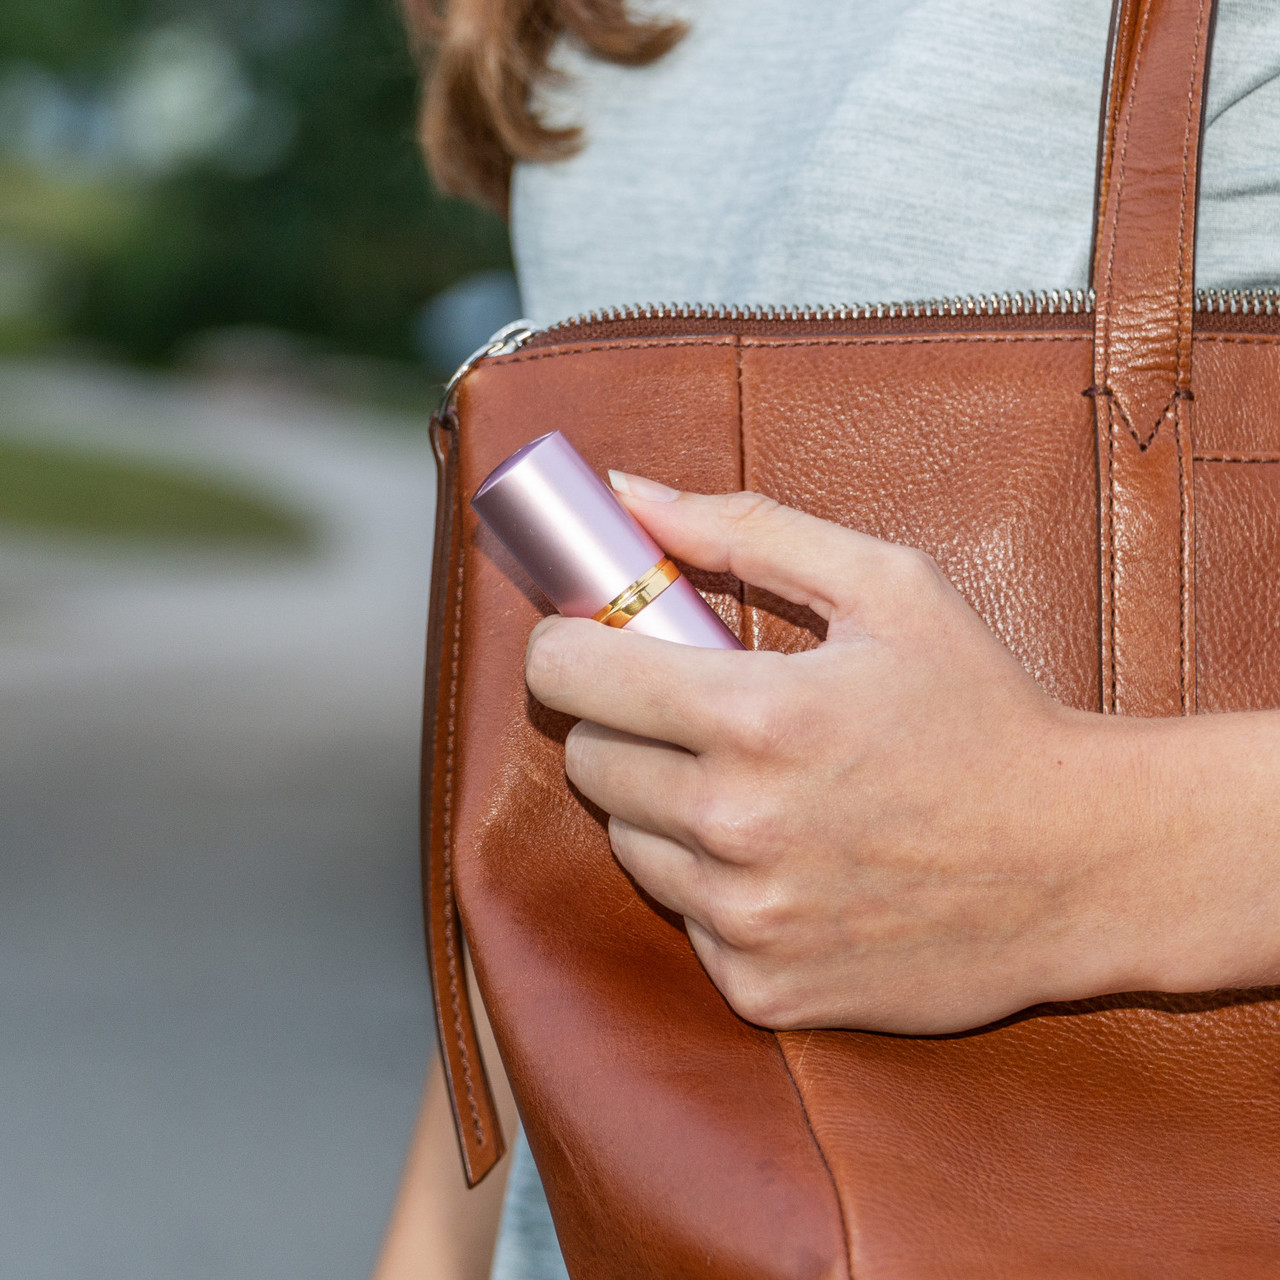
(69,35)
(68,213)
(341,238)
(54,490)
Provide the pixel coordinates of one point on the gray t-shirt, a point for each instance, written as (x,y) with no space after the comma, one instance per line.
(847,151)
(833,151)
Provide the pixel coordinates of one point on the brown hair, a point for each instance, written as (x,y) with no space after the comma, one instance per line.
(483,58)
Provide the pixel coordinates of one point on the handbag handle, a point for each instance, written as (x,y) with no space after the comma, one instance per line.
(1144,279)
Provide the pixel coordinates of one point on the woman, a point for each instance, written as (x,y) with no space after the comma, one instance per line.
(897,830)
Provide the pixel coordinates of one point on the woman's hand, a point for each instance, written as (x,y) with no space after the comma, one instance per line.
(898,830)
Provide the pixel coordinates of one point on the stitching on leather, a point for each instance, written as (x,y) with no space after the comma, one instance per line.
(915,339)
(822,1155)
(744,624)
(1118,187)
(1182,370)
(1184,303)
(1111,555)
(1118,405)
(1113,402)
(742,425)
(1183,549)
(1115,188)
(1181,413)
(1235,457)
(1183,602)
(694,340)
(742,341)
(717,340)
(1182,358)
(450,909)
(1261,339)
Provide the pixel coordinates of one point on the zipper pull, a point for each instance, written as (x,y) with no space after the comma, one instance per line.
(511,337)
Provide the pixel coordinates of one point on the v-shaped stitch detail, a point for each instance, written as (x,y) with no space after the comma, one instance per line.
(1142,440)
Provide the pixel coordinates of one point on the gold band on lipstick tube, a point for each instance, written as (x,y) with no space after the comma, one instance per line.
(642,592)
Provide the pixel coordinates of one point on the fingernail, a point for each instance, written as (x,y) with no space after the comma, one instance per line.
(639,487)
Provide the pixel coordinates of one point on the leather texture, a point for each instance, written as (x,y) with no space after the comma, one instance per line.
(1049,464)
(1144,280)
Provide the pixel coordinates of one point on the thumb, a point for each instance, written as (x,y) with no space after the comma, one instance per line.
(796,556)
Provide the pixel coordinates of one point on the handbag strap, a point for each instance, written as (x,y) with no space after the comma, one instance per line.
(475,1116)
(1144,279)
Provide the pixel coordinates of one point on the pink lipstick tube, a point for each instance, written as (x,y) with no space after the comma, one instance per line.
(587,552)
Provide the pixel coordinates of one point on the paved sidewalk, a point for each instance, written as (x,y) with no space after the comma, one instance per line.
(212,996)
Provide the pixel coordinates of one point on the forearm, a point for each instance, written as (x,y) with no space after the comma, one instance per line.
(438,1228)
(1189,810)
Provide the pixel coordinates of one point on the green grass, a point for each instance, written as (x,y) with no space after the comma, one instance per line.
(68,214)
(56,490)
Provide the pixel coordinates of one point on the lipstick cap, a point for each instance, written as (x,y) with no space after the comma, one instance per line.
(581,545)
(564,525)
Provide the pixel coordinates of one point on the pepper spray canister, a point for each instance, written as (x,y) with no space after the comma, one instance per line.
(587,552)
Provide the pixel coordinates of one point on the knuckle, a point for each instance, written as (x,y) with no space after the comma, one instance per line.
(749,920)
(763,1000)
(754,992)
(742,820)
(726,828)
(759,720)
(748,507)
(915,572)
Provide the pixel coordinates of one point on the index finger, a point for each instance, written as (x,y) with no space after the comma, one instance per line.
(652,688)
(797,556)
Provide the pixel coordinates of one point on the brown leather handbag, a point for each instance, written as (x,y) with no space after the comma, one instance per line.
(1101,479)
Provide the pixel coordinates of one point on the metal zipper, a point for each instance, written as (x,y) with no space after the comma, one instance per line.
(1044,302)
(1255,302)
(511,337)
(1239,302)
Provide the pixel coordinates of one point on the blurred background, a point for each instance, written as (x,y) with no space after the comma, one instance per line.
(228,295)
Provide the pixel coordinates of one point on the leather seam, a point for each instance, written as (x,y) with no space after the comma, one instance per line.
(1182,380)
(741,342)
(745,629)
(915,339)
(1183,577)
(742,425)
(642,344)
(450,905)
(1182,352)
(1242,339)
(1111,554)
(1183,374)
(1236,457)
(1115,188)
(1169,408)
(822,1155)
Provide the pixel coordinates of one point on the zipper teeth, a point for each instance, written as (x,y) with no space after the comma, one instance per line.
(1255,302)
(1240,302)
(1045,302)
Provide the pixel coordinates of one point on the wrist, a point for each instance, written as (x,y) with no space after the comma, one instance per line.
(1174,830)
(1114,855)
